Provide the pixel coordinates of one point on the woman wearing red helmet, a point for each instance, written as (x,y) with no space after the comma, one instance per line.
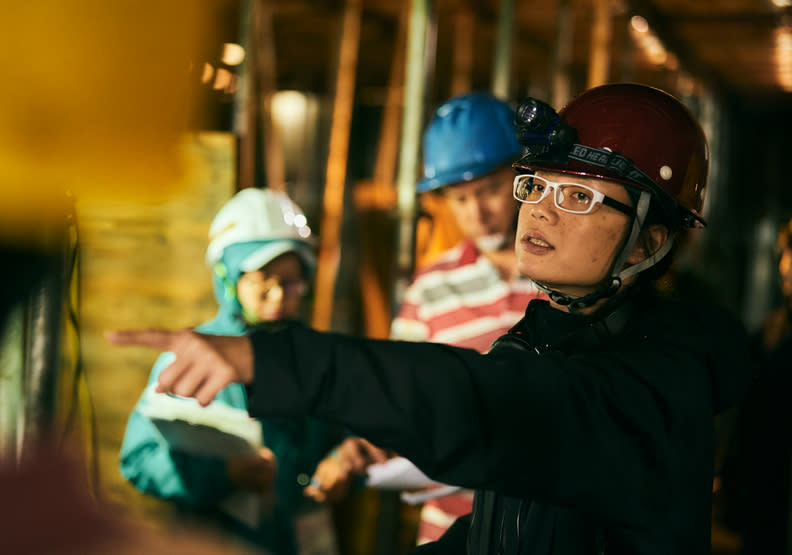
(588,427)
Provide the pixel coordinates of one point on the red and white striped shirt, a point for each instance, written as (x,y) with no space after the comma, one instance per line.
(459,300)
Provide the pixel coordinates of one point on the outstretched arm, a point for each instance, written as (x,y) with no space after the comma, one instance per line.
(204,364)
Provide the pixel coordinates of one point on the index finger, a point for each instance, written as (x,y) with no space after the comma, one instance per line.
(155,338)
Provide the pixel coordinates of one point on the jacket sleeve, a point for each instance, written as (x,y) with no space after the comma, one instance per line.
(431,403)
(611,432)
(193,481)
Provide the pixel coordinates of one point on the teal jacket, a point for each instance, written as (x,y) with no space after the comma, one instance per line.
(198,484)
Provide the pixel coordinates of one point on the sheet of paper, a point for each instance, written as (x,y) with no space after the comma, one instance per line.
(397,473)
(216,430)
(418,497)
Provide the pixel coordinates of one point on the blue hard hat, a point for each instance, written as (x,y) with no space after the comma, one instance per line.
(469,136)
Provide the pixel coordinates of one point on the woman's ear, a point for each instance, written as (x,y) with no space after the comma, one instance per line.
(652,238)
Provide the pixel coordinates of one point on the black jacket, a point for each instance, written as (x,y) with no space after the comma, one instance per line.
(590,439)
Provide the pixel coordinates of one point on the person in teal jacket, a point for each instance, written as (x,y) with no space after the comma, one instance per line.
(261,257)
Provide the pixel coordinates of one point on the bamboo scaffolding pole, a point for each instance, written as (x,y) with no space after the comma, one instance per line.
(330,228)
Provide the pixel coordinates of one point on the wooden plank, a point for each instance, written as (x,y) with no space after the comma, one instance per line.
(376,200)
(412,125)
(330,226)
(562,60)
(462,65)
(266,78)
(599,54)
(501,63)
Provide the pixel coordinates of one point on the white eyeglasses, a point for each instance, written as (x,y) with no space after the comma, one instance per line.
(569,197)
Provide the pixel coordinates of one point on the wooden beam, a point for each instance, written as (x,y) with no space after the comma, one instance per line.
(599,53)
(462,62)
(246,110)
(330,227)
(376,198)
(501,64)
(254,102)
(660,25)
(412,126)
(562,61)
(267,87)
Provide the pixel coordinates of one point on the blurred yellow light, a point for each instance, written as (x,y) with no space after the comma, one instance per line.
(233,54)
(289,108)
(97,102)
(222,80)
(208,73)
(650,44)
(783,57)
(639,23)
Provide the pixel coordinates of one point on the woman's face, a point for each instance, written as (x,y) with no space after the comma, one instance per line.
(274,291)
(570,253)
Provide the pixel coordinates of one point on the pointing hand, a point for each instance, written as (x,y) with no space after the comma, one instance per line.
(204,364)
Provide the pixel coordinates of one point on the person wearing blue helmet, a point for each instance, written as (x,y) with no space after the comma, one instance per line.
(471,293)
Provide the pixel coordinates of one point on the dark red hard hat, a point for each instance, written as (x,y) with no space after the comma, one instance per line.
(600,128)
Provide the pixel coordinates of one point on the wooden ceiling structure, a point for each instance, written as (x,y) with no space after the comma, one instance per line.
(353,53)
(357,53)
(729,46)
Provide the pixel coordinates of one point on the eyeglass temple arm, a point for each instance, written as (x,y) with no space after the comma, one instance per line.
(621,207)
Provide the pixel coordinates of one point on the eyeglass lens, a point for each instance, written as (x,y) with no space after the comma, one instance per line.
(568,196)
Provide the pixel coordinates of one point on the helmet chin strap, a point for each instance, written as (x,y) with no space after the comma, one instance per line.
(610,286)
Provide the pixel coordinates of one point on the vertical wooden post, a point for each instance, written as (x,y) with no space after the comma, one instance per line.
(436,230)
(599,55)
(502,63)
(376,200)
(562,60)
(412,125)
(267,86)
(385,165)
(330,229)
(255,106)
(462,63)
(245,109)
